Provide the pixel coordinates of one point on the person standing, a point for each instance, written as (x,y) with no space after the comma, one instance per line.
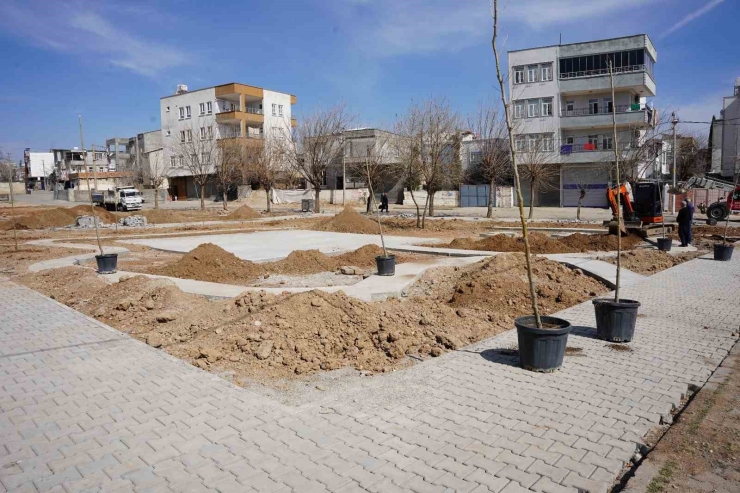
(384,203)
(369,202)
(683,219)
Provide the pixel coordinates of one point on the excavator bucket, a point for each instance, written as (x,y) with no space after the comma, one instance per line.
(617,228)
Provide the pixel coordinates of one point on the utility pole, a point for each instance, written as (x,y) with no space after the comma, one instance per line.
(674,121)
(344,170)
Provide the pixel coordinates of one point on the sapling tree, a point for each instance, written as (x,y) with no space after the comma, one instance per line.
(619,181)
(6,173)
(517,181)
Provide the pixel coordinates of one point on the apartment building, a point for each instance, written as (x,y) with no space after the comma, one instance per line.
(227,111)
(38,166)
(562,111)
(726,136)
(74,161)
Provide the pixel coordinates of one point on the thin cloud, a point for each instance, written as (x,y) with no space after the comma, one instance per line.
(81,28)
(691,17)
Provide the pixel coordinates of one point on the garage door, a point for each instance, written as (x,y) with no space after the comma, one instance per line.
(594,180)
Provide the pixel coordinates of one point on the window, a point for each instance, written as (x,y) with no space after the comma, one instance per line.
(532,73)
(169,132)
(593,139)
(187,112)
(367,149)
(518,75)
(182,161)
(182,135)
(519,110)
(475,157)
(202,133)
(570,107)
(519,143)
(569,140)
(205,158)
(593,106)
(547,72)
(547,107)
(532,141)
(608,106)
(210,132)
(280,110)
(173,162)
(202,108)
(209,107)
(607,142)
(98,155)
(274,109)
(190,135)
(168,109)
(182,112)
(548,142)
(532,105)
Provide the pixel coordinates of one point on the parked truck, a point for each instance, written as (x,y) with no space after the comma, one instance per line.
(120,199)
(720,210)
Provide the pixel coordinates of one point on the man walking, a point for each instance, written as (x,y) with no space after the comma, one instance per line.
(384,203)
(684,224)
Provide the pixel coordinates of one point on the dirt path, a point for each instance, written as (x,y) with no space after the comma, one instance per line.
(701,451)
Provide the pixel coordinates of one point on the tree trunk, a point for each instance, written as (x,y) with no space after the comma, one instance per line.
(431,203)
(578,211)
(226,205)
(317,200)
(491,199)
(156,198)
(531,200)
(418,212)
(424,215)
(269,202)
(203,197)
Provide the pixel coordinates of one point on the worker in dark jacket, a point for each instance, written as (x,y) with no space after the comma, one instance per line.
(384,203)
(369,202)
(684,224)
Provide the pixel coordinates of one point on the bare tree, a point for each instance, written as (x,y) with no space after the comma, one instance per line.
(693,158)
(229,162)
(407,145)
(378,166)
(494,163)
(6,174)
(265,163)
(155,172)
(199,154)
(316,145)
(517,183)
(538,163)
(585,178)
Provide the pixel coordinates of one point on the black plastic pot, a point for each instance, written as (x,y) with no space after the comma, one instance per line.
(664,244)
(615,321)
(107,263)
(386,265)
(723,252)
(542,350)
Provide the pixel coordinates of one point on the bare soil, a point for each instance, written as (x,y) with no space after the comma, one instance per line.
(264,337)
(349,221)
(244,212)
(17,262)
(649,262)
(53,217)
(540,243)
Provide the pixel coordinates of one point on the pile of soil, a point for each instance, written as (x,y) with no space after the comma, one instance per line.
(160,216)
(244,212)
(209,262)
(105,215)
(539,243)
(600,242)
(57,217)
(648,262)
(349,221)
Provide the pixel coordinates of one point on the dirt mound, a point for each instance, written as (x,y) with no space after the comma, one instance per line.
(538,243)
(349,221)
(105,215)
(209,262)
(648,262)
(501,283)
(599,242)
(365,256)
(244,212)
(159,216)
(47,218)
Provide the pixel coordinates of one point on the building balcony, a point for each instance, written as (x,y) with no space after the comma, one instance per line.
(233,117)
(590,153)
(633,77)
(634,116)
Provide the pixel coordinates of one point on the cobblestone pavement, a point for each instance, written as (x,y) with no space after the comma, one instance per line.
(86,408)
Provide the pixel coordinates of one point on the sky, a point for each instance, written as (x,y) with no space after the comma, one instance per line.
(111,60)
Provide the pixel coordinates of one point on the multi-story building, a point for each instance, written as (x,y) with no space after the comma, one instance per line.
(73,161)
(726,136)
(38,166)
(562,111)
(228,111)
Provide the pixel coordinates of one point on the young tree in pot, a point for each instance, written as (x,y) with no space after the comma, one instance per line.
(616,319)
(107,263)
(723,251)
(386,263)
(542,340)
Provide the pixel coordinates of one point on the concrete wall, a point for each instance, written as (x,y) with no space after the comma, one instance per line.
(17,187)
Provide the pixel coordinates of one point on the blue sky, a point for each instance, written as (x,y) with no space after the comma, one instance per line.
(111,61)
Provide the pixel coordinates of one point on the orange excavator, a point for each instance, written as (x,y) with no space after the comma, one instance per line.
(641,212)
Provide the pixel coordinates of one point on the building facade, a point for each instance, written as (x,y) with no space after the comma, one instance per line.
(38,167)
(212,114)
(562,112)
(726,136)
(74,161)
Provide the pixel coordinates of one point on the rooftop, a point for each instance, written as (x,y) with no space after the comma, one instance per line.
(583,42)
(223,85)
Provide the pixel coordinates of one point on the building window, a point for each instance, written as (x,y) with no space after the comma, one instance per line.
(518,75)
(202,133)
(546,72)
(608,106)
(593,140)
(607,142)
(205,158)
(518,110)
(274,109)
(187,112)
(280,110)
(548,142)
(98,156)
(202,108)
(570,107)
(593,106)
(182,161)
(532,73)
(182,112)
(190,135)
(169,133)
(532,142)
(210,132)
(168,109)
(182,136)
(519,143)
(532,105)
(173,162)
(209,107)
(547,107)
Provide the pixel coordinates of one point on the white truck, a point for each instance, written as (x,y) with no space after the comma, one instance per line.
(120,199)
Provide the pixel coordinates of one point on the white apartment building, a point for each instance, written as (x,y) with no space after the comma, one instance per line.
(562,107)
(228,111)
(726,136)
(38,167)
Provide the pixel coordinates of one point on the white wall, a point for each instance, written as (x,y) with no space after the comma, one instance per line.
(170,118)
(276,122)
(41,164)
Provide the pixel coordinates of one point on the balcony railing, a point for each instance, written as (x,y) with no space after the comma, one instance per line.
(628,108)
(566,149)
(254,111)
(592,73)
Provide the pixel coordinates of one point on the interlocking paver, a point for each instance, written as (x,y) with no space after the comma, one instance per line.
(82,405)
